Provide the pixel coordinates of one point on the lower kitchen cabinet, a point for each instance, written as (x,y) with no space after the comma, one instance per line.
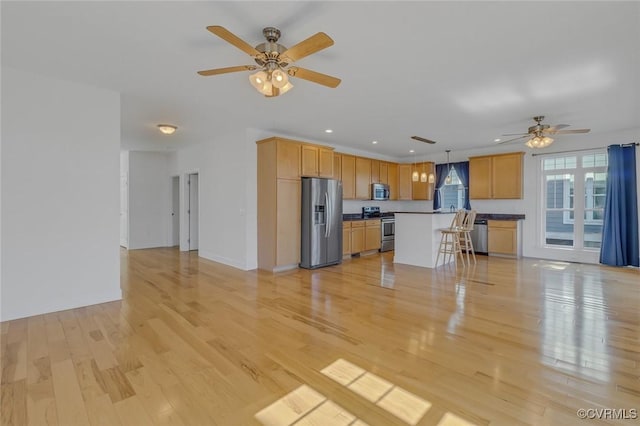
(357,236)
(346,238)
(361,235)
(503,237)
(372,235)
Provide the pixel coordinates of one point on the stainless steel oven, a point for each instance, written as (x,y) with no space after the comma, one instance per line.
(388,233)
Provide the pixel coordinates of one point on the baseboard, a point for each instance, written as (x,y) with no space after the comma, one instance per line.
(224,260)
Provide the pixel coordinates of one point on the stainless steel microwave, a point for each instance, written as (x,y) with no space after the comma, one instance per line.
(379,191)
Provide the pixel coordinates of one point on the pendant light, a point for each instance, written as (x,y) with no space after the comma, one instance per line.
(423,175)
(448,179)
(415,176)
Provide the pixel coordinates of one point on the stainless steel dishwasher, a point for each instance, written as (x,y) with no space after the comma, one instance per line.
(479,236)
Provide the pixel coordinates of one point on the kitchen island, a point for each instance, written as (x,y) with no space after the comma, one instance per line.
(418,237)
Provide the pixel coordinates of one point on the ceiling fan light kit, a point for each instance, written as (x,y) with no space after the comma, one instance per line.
(539,142)
(274,61)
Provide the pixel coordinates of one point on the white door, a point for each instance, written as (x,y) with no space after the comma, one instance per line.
(124,210)
(193,211)
(175,211)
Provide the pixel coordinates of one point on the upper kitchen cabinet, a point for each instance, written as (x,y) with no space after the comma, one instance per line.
(375,171)
(348,177)
(496,176)
(392,180)
(317,161)
(337,166)
(404,181)
(422,190)
(384,173)
(287,157)
(363,178)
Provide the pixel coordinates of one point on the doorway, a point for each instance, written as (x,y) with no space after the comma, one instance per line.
(192,211)
(174,235)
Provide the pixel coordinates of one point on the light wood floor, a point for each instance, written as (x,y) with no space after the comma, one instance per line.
(367,342)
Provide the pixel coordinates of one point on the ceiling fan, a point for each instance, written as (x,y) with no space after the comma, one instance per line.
(274,61)
(538,134)
(420,139)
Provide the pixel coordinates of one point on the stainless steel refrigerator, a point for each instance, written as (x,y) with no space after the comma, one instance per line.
(321,237)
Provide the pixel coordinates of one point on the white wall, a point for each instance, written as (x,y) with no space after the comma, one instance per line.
(60,168)
(226,168)
(149,199)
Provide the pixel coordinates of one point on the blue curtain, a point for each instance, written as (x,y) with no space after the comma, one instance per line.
(441,175)
(620,223)
(462,169)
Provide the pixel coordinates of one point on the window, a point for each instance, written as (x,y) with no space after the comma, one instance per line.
(571,221)
(453,192)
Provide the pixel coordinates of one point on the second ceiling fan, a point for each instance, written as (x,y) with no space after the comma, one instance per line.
(274,61)
(538,134)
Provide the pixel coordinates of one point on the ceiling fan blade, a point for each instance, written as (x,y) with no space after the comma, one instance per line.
(515,134)
(229,37)
(316,77)
(418,138)
(227,70)
(306,47)
(553,129)
(514,139)
(568,132)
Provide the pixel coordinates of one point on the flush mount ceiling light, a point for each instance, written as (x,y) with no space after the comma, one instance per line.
(328,131)
(167,129)
(274,61)
(374,142)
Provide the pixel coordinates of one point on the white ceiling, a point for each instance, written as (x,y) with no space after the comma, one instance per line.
(461,73)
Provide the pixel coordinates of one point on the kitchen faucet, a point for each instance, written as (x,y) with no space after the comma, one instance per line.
(452,208)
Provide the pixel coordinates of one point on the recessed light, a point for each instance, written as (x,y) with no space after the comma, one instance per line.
(374,142)
(411,151)
(328,131)
(497,140)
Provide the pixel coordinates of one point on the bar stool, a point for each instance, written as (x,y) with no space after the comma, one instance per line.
(450,240)
(466,243)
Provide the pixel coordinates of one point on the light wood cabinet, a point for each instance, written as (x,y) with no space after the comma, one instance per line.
(316,161)
(404,181)
(384,172)
(325,163)
(346,238)
(372,236)
(363,178)
(348,177)
(392,180)
(496,176)
(375,172)
(337,166)
(506,172)
(503,237)
(288,222)
(422,190)
(287,159)
(357,236)
(480,178)
(278,203)
(309,161)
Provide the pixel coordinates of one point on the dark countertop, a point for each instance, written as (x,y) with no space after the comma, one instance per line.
(358,216)
(480,216)
(426,212)
(499,216)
